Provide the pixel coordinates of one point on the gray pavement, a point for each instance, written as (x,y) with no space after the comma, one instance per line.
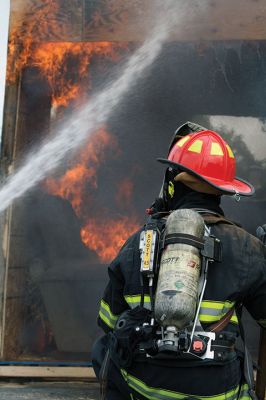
(49,391)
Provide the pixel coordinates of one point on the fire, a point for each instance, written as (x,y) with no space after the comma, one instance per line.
(81,178)
(66,68)
(78,185)
(108,236)
(28,33)
(65,65)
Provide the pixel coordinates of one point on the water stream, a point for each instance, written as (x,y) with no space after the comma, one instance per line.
(76,129)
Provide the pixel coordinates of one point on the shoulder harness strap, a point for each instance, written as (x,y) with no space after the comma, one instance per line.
(216,219)
(212,218)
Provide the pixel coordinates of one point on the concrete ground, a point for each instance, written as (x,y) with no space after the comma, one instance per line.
(49,391)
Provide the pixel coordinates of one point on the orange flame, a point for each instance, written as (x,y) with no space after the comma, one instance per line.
(64,64)
(33,28)
(103,235)
(60,62)
(74,184)
(107,237)
(66,67)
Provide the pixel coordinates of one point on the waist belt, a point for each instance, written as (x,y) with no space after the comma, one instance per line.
(203,346)
(134,336)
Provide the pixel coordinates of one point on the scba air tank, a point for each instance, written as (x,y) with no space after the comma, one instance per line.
(177,288)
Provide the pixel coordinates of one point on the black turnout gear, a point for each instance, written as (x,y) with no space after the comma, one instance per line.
(239,280)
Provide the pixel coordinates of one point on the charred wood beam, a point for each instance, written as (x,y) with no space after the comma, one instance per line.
(127,20)
(11,111)
(27,115)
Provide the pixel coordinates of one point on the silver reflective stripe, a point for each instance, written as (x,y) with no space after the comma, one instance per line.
(106,315)
(212,311)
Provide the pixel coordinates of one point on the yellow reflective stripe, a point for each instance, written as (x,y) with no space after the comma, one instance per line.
(234,319)
(244,395)
(164,394)
(135,299)
(106,320)
(208,318)
(229,304)
(218,305)
(106,307)
(213,311)
(106,314)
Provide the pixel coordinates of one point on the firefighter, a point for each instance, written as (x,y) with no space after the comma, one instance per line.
(129,359)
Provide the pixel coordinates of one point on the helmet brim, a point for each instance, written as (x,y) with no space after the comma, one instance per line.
(236,186)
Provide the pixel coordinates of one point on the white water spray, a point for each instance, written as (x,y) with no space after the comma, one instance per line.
(72,133)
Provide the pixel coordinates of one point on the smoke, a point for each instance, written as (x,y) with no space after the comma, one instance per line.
(252,131)
(74,131)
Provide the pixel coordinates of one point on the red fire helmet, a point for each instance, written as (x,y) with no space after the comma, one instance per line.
(207,156)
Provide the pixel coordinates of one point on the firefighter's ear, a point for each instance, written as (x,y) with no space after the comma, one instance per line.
(196,184)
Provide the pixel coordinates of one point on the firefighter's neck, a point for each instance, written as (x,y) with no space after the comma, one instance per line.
(193,199)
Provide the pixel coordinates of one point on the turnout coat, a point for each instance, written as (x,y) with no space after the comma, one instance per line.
(239,279)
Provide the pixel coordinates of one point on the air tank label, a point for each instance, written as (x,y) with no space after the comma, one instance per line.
(179,271)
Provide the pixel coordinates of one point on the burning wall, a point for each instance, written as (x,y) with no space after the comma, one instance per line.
(54,247)
(99,195)
(66,68)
